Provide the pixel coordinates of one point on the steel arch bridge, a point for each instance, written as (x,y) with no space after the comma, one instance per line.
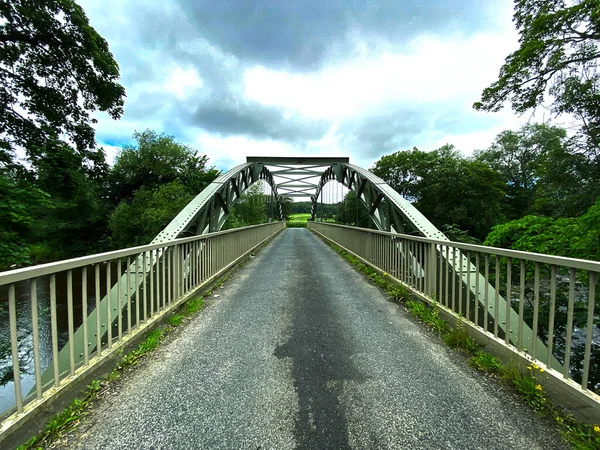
(298,177)
(305,178)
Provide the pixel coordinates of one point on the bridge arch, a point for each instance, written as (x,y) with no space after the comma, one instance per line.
(209,210)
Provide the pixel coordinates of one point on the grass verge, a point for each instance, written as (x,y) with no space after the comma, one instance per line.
(579,435)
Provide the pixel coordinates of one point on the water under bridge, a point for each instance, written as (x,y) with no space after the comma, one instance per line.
(298,349)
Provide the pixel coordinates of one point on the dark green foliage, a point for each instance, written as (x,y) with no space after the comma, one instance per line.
(156,160)
(522,157)
(286,205)
(139,221)
(56,70)
(351,211)
(447,188)
(16,219)
(252,208)
(152,182)
(577,237)
(556,61)
(74,222)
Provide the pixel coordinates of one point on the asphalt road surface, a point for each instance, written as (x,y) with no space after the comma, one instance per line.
(298,350)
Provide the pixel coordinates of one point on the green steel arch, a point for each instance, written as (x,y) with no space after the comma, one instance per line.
(209,210)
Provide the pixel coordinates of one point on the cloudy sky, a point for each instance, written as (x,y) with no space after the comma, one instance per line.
(237,78)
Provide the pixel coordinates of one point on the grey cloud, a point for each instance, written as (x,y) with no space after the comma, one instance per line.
(300,34)
(372,137)
(255,120)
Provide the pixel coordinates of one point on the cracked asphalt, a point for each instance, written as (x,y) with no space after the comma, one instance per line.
(300,351)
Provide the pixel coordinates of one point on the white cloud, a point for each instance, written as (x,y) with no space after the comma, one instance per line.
(181,82)
(432,70)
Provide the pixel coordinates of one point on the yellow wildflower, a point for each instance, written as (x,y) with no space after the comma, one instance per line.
(597,429)
(538,387)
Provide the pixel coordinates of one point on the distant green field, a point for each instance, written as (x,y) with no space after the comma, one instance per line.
(298,217)
(297,220)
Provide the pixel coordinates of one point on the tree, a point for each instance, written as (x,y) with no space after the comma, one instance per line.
(447,188)
(75,221)
(151,182)
(557,59)
(155,160)
(250,209)
(520,157)
(55,69)
(17,199)
(139,221)
(285,201)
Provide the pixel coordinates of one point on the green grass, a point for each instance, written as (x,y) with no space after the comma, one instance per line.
(299,217)
(297,220)
(486,363)
(458,337)
(428,315)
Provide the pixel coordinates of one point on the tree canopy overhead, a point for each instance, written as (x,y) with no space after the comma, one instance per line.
(55,69)
(557,59)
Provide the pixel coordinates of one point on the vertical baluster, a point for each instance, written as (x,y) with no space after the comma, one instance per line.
(447,277)
(454,279)
(54,328)
(460,281)
(14,347)
(170,275)
(144,287)
(477,293)
(108,306)
(551,318)
(497,296)
(98,314)
(486,292)
(128,296)
(84,314)
(536,309)
(119,301)
(589,329)
(521,306)
(508,308)
(70,322)
(151,274)
(164,277)
(569,322)
(137,291)
(440,273)
(468,291)
(421,260)
(36,339)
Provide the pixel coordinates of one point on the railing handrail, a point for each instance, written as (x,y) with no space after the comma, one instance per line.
(25,273)
(575,263)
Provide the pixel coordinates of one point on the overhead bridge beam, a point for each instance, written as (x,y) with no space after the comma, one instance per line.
(297,160)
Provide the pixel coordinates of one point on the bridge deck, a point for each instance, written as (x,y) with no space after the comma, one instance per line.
(300,352)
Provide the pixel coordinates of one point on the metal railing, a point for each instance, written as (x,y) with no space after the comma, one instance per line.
(538,304)
(108,298)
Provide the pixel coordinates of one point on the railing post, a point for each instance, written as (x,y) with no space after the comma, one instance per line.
(432,270)
(176,272)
